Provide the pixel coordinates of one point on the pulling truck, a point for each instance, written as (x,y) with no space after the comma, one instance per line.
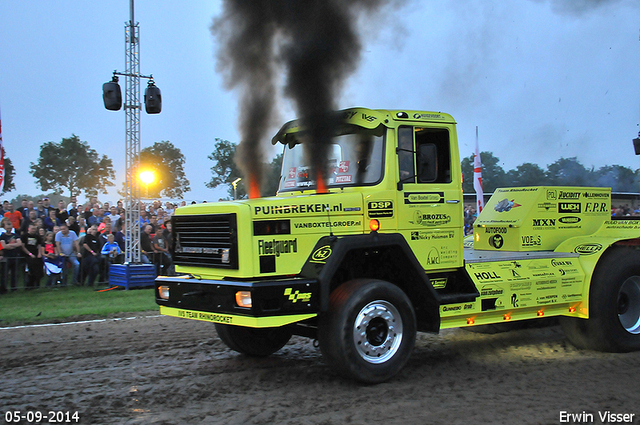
(382,254)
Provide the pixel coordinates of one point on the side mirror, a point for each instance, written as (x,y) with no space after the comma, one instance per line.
(636,145)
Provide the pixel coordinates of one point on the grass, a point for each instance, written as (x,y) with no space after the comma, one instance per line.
(58,304)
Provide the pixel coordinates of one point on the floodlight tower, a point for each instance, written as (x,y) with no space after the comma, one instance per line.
(132,138)
(112,97)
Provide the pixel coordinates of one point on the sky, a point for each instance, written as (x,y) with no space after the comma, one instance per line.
(541,79)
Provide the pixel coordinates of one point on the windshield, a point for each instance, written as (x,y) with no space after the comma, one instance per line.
(354,159)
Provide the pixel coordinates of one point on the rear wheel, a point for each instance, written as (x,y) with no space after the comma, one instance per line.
(614,317)
(256,342)
(369,332)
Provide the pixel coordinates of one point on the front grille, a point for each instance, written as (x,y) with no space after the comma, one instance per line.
(204,240)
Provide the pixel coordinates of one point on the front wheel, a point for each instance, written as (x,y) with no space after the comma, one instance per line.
(255,342)
(369,332)
(614,303)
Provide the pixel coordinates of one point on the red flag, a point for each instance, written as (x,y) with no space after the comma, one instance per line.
(477,176)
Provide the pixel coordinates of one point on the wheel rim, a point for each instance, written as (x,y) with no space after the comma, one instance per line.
(377,332)
(629,305)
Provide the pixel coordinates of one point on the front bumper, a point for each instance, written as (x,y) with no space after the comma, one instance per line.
(275,302)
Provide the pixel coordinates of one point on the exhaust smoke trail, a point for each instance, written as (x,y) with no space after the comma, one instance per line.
(316,41)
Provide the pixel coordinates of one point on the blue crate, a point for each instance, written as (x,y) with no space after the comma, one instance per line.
(132,275)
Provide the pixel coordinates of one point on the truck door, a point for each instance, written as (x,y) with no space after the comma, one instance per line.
(429,196)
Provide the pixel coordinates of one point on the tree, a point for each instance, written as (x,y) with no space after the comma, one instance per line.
(569,172)
(9,172)
(526,174)
(73,165)
(271,181)
(225,171)
(617,177)
(167,162)
(493,175)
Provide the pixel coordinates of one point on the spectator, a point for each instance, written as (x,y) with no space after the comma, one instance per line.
(42,213)
(31,218)
(161,246)
(24,208)
(91,255)
(169,209)
(73,224)
(5,208)
(52,262)
(120,239)
(146,249)
(32,247)
(153,222)
(111,250)
(47,205)
(61,213)
(95,218)
(15,217)
(10,255)
(51,221)
(115,217)
(68,249)
(72,207)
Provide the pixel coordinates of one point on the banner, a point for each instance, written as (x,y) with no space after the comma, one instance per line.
(477,177)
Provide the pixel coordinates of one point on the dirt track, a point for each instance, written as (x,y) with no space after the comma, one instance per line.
(163,370)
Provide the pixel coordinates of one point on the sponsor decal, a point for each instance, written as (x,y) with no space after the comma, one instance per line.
(343,167)
(569,220)
(426,116)
(505,205)
(198,250)
(486,275)
(596,207)
(561,263)
(439,282)
(496,241)
(290,183)
(424,198)
(321,254)
(552,194)
(296,209)
(292,173)
(433,257)
(343,179)
(211,317)
(569,195)
(588,248)
(514,300)
(531,240)
(295,296)
(595,195)
(326,224)
(490,290)
(547,206)
(502,230)
(547,299)
(380,209)
(427,236)
(276,247)
(544,222)
(569,207)
(433,219)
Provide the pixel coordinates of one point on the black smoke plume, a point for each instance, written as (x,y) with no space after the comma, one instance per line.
(317,43)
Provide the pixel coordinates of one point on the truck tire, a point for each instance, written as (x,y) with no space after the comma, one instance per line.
(614,304)
(369,331)
(255,342)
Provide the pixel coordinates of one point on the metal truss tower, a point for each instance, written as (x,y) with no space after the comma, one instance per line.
(132,163)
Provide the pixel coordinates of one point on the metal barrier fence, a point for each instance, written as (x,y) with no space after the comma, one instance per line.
(15,273)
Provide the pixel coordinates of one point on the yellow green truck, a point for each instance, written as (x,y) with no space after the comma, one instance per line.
(382,254)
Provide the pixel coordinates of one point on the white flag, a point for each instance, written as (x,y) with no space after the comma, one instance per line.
(477,177)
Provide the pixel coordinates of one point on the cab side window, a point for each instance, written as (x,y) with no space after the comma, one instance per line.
(433,156)
(424,155)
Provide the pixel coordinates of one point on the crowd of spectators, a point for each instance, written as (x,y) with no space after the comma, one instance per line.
(74,244)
